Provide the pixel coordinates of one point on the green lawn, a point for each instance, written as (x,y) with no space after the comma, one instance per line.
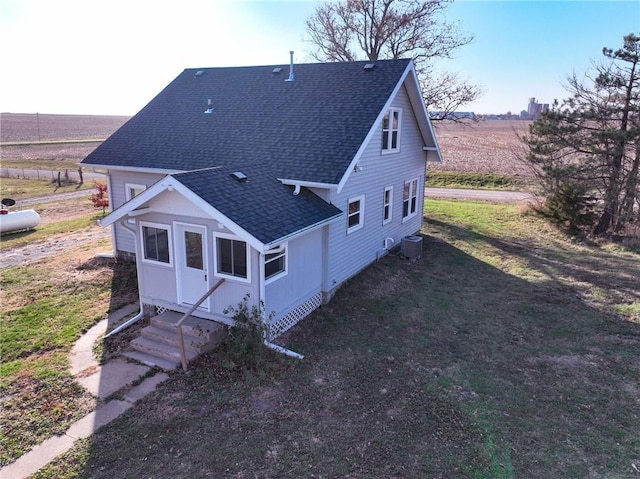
(506,351)
(464,179)
(45,308)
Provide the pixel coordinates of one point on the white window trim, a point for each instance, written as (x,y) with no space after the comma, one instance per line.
(389,149)
(127,194)
(390,204)
(160,226)
(360,225)
(132,186)
(281,248)
(417,196)
(215,258)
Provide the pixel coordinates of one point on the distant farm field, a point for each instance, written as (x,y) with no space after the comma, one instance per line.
(35,131)
(43,127)
(490,146)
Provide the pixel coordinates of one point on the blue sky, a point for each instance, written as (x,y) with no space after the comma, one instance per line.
(112,57)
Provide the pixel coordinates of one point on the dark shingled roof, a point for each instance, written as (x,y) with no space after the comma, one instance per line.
(308,129)
(261,204)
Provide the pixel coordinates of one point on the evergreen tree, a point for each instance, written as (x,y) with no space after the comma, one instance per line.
(586,150)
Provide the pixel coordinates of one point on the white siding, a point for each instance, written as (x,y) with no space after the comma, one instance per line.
(304,276)
(158,282)
(124,240)
(350,253)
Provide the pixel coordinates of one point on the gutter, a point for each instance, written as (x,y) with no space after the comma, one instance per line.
(305,230)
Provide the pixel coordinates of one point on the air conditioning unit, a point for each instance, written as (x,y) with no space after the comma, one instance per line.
(411,246)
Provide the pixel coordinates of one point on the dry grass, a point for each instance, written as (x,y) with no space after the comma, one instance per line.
(491,357)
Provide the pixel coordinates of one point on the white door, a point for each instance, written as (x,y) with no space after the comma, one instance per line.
(191,263)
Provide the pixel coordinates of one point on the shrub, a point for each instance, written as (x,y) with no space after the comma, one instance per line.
(569,205)
(244,346)
(100,198)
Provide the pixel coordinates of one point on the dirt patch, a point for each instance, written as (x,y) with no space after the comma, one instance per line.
(92,238)
(64,210)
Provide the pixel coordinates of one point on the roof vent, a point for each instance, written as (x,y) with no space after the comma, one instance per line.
(199,73)
(239,176)
(209,106)
(276,70)
(369,66)
(291,75)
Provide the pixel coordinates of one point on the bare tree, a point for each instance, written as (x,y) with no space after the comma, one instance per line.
(390,29)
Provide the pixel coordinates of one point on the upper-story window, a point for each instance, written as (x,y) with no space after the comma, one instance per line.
(391,130)
(355,212)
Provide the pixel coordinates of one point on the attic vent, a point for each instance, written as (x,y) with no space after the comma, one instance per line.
(276,70)
(239,176)
(209,106)
(199,73)
(369,66)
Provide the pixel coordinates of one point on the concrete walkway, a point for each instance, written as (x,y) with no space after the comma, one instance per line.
(103,381)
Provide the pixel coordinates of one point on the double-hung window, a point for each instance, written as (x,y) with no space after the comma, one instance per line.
(275,263)
(409,199)
(387,205)
(391,131)
(131,191)
(232,258)
(156,243)
(355,214)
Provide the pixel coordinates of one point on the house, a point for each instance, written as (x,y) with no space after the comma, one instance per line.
(285,181)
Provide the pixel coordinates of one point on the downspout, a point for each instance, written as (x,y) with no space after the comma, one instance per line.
(114,247)
(280,349)
(262,294)
(140,315)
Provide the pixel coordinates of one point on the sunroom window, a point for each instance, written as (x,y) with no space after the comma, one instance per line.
(156,243)
(275,262)
(232,258)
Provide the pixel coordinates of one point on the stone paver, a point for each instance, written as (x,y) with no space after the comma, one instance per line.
(112,377)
